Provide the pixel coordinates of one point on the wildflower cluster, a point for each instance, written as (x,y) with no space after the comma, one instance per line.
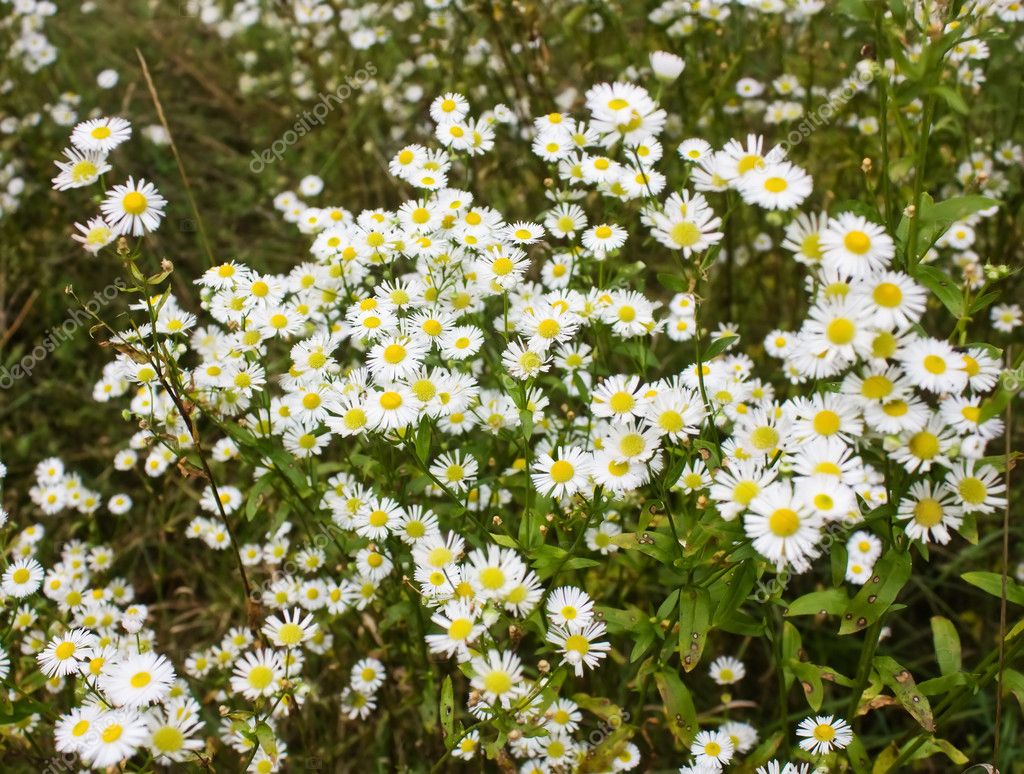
(493,460)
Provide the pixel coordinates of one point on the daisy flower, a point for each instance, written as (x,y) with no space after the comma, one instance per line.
(1006,317)
(666,65)
(367,675)
(455,470)
(726,670)
(563,476)
(781,186)
(498,676)
(976,486)
(712,748)
(694,149)
(65,654)
(133,208)
(930,512)
(82,168)
(784,529)
(934,365)
(565,220)
(823,734)
(461,628)
(291,630)
(138,680)
(619,398)
(569,605)
(22,577)
(603,238)
(855,246)
(101,134)
(93,235)
(392,408)
(257,673)
(116,736)
(579,644)
(521,362)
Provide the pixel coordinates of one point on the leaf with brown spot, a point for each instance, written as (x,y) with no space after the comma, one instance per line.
(897,678)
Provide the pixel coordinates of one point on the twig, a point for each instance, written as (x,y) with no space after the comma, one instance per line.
(20,318)
(177,157)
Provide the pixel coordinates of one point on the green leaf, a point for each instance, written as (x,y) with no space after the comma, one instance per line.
(719,345)
(672,282)
(855,9)
(947,645)
(858,756)
(505,540)
(20,710)
(996,403)
(992,582)
(620,621)
(944,684)
(729,592)
(935,220)
(1013,682)
(831,601)
(268,742)
(679,710)
(899,680)
(423,442)
(255,496)
(642,645)
(667,605)
(951,98)
(656,544)
(875,596)
(694,623)
(447,709)
(942,285)
(810,680)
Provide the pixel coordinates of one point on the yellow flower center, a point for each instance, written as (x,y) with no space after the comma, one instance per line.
(112,733)
(290,634)
(972,490)
(498,682)
(562,471)
(784,522)
(577,643)
(924,445)
(134,203)
(934,364)
(888,295)
(764,437)
(83,170)
(840,331)
(621,402)
(168,739)
(876,387)
(826,422)
(823,732)
(260,677)
(857,242)
(390,400)
(744,492)
(685,234)
(549,328)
